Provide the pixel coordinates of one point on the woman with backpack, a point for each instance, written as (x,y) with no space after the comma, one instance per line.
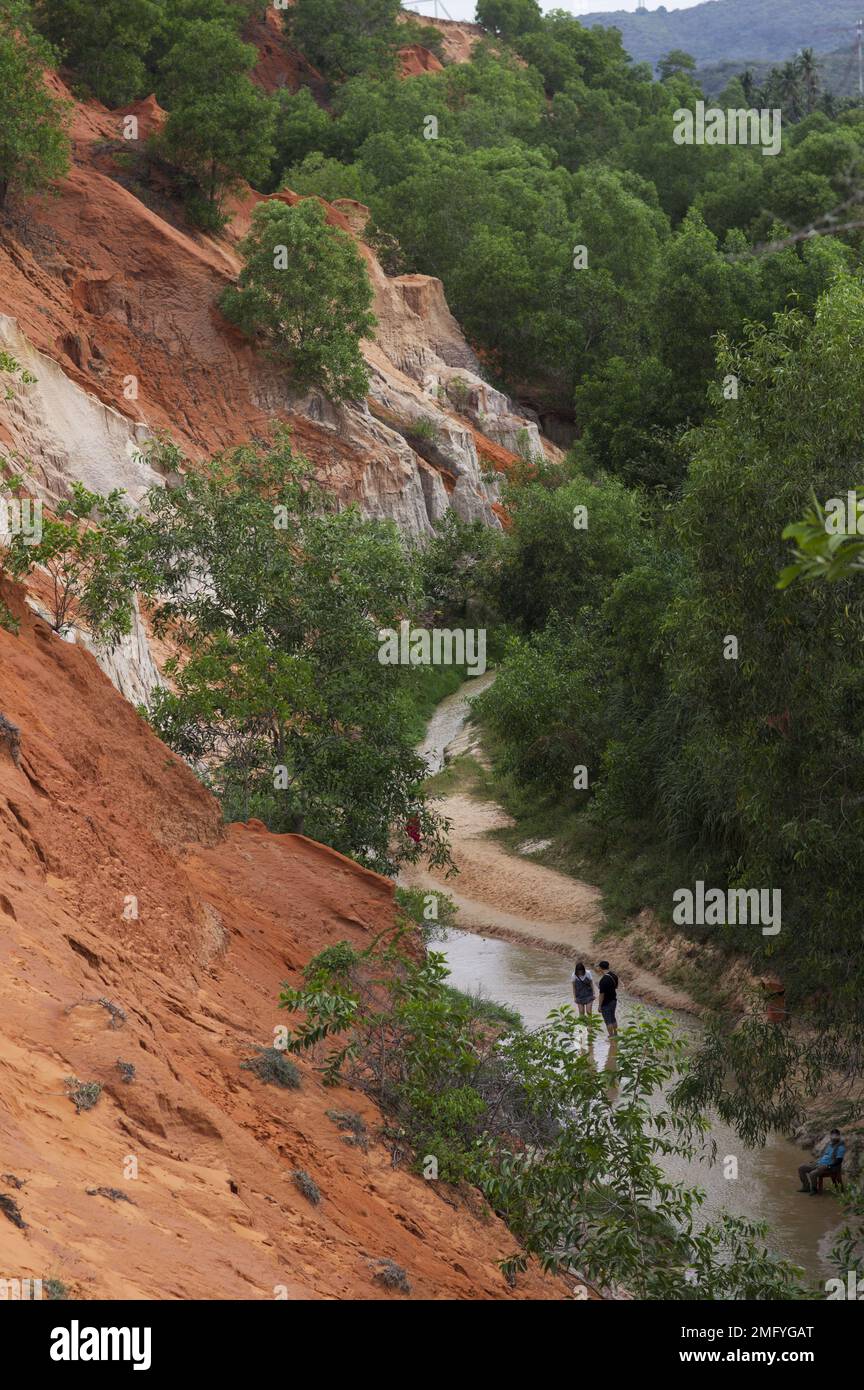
(583,988)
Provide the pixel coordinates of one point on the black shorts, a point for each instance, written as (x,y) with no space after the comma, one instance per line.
(608,1012)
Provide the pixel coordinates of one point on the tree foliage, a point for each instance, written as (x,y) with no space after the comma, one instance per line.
(274,602)
(34,147)
(748,766)
(305,294)
(220,126)
(345,37)
(106,42)
(89,552)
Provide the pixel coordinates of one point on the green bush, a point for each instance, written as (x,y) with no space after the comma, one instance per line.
(260,696)
(221,124)
(83,1094)
(304,294)
(91,554)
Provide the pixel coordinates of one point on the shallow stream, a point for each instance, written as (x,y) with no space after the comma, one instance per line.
(533,981)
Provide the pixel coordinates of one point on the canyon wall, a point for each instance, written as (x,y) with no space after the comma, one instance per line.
(134,928)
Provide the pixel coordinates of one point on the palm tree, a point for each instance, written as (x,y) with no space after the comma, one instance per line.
(809,70)
(790,89)
(748,86)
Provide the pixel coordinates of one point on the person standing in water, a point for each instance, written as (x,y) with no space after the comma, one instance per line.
(583,988)
(607,988)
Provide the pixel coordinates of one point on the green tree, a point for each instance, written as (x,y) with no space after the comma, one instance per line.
(630,413)
(765,736)
(701,293)
(275,602)
(822,550)
(90,552)
(788,86)
(325,178)
(34,147)
(674,62)
(205,56)
(301,128)
(345,37)
(221,125)
(808,66)
(305,294)
(567,540)
(105,42)
(509,18)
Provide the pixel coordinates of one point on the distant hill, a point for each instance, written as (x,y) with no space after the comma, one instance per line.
(745,31)
(838,72)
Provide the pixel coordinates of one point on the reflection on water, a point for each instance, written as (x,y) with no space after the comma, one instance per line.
(534,981)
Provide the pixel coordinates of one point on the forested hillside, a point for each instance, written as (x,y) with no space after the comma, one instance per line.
(732,29)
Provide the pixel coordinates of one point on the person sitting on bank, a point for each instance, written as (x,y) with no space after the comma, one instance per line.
(831,1157)
(607,989)
(583,988)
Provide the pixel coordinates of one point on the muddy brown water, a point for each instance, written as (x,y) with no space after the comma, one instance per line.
(507,964)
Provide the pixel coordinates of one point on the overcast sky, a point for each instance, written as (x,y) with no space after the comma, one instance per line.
(464,9)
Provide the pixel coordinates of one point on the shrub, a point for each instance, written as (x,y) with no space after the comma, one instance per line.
(105,42)
(221,125)
(392,1276)
(307,1186)
(459,391)
(260,697)
(348,1120)
(326,178)
(270,1066)
(413,903)
(89,553)
(423,429)
(84,1094)
(12,1211)
(344,37)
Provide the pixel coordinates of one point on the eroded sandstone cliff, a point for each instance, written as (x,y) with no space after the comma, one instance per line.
(111,304)
(118,884)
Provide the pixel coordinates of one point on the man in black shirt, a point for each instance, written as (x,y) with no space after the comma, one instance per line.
(607,989)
